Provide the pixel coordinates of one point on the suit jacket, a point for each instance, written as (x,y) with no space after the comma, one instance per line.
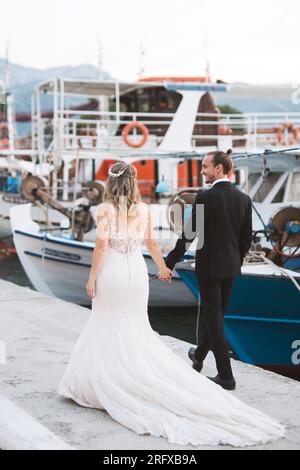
(227,232)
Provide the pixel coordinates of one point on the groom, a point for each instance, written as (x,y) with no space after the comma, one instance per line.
(227,239)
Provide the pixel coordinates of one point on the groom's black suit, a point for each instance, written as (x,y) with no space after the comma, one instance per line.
(227,238)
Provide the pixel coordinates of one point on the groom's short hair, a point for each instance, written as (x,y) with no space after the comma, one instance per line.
(224,159)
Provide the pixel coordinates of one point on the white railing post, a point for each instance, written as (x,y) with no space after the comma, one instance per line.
(117,88)
(56,139)
(40,136)
(61,117)
(33,123)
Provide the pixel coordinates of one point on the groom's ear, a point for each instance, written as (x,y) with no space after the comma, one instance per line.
(219,167)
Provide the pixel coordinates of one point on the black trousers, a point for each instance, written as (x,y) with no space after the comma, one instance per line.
(215,295)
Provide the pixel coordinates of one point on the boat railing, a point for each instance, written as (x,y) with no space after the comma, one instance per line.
(102,130)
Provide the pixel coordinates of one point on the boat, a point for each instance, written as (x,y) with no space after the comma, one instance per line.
(92,135)
(118,120)
(59,266)
(177,138)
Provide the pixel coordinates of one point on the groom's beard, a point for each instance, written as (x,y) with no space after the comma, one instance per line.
(209,180)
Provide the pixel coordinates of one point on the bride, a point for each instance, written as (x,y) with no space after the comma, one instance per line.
(119,364)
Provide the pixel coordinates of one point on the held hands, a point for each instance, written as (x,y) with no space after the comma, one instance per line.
(90,288)
(165,274)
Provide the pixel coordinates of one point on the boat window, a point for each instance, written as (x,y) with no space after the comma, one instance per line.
(294,194)
(252,180)
(143,101)
(266,187)
(280,195)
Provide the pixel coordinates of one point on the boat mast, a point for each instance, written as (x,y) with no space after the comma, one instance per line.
(208,78)
(103,100)
(142,57)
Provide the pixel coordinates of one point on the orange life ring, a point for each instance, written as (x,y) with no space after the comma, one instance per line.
(135,125)
(280,134)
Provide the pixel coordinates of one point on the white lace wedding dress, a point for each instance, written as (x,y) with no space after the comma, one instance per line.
(121,365)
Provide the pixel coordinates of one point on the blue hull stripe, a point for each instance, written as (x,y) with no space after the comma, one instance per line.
(48,258)
(57,241)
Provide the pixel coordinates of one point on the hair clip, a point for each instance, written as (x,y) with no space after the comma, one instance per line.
(116,175)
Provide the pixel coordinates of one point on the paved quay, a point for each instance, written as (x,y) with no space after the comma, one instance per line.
(38,333)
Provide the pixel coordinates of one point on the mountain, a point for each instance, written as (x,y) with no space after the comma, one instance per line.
(21,75)
(24,79)
(249,98)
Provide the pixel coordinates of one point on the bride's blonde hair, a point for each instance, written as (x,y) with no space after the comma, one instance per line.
(122,187)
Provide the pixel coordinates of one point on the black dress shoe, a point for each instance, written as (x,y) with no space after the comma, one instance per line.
(197,365)
(227,384)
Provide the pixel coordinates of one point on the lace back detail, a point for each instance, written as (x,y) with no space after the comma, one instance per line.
(120,244)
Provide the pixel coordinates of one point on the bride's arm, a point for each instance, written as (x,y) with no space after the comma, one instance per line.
(101,245)
(155,252)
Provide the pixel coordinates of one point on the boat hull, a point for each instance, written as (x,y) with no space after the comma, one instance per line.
(60,267)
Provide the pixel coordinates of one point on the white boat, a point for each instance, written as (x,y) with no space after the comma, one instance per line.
(272,180)
(36,247)
(70,148)
(176,114)
(59,267)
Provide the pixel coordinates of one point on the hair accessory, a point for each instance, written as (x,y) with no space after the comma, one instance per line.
(116,175)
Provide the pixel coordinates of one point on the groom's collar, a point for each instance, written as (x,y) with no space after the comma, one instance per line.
(220,180)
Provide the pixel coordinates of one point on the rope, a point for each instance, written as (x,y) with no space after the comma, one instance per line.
(259,216)
(257,257)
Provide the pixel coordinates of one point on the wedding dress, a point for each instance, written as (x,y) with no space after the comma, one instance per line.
(121,365)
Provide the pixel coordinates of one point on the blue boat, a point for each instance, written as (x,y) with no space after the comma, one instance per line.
(262,321)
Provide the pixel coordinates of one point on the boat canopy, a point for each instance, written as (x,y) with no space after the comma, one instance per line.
(91,87)
(116,88)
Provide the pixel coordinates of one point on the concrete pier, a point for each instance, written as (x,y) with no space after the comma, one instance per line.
(38,334)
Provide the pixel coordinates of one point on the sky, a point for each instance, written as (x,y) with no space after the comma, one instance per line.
(256,41)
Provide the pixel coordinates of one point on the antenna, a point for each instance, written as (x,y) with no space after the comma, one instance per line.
(208,77)
(100,60)
(142,56)
(101,102)
(205,49)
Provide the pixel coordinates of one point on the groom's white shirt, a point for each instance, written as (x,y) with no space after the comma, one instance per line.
(219,181)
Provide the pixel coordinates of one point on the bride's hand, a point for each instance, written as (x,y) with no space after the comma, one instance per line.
(165,274)
(90,288)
